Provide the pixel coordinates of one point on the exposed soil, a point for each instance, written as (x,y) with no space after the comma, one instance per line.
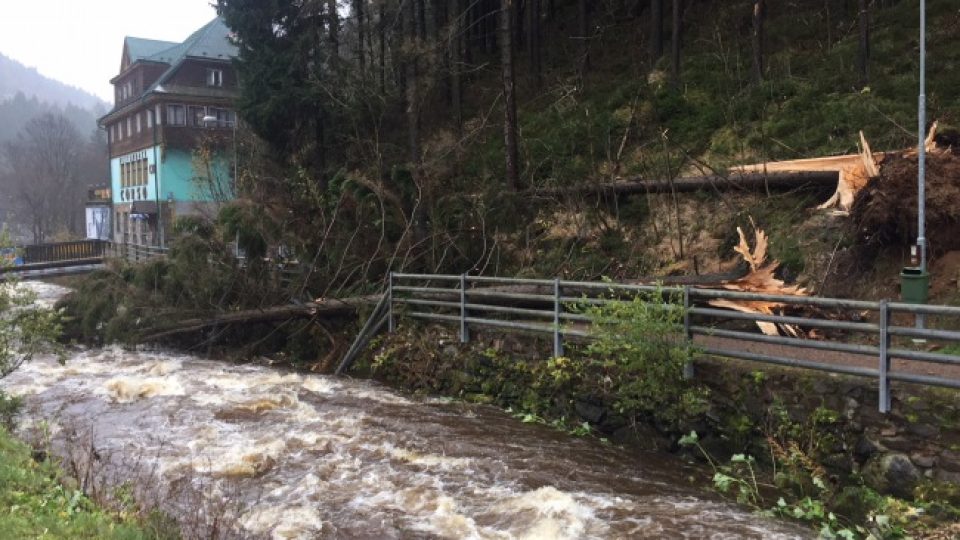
(945,277)
(885,211)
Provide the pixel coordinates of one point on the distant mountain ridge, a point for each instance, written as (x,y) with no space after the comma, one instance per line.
(26,94)
(16,77)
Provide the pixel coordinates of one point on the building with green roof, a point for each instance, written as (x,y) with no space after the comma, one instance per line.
(171,132)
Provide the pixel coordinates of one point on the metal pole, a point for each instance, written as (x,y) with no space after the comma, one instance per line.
(922,150)
(557,338)
(687,366)
(236,157)
(391,324)
(884,385)
(464,331)
(161,234)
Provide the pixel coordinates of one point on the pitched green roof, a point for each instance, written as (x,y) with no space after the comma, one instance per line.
(139,48)
(210,41)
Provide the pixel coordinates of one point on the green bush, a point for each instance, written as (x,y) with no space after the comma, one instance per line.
(639,352)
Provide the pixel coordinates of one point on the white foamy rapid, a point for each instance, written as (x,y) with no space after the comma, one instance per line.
(283,455)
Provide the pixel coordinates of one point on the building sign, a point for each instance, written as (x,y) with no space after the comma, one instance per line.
(130,158)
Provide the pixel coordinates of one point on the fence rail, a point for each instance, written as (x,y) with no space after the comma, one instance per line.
(543,306)
(135,252)
(62,251)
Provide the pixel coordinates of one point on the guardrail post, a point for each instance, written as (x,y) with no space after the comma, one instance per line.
(687,366)
(391,324)
(557,338)
(884,357)
(464,331)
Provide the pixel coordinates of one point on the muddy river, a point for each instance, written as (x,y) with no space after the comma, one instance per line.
(246,451)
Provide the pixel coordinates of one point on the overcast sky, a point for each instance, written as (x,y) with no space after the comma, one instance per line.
(80,42)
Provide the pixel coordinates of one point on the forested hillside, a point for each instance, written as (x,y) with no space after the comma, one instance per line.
(51,151)
(428,133)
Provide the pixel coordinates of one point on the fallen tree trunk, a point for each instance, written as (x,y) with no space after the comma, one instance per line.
(322,308)
(742,181)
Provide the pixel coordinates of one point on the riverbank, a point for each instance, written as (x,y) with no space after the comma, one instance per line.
(37,501)
(792,443)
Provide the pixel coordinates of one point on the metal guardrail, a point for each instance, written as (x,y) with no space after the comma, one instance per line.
(134,252)
(456,299)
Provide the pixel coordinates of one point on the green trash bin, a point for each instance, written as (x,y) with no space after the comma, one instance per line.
(914,285)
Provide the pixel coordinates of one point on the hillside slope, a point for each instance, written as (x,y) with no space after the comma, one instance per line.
(16,77)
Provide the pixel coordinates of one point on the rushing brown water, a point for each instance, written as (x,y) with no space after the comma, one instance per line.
(254,452)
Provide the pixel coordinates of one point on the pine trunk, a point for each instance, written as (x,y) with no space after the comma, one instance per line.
(863,55)
(456,61)
(533,41)
(509,97)
(361,39)
(759,14)
(333,22)
(412,83)
(656,30)
(677,28)
(583,24)
(382,30)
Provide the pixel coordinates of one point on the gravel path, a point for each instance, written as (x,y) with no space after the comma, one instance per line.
(830,357)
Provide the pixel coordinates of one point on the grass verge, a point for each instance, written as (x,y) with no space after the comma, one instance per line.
(34,503)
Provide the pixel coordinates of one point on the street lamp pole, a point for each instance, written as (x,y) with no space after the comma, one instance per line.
(922,152)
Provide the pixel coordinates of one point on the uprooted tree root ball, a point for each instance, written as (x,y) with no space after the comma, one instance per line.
(885,211)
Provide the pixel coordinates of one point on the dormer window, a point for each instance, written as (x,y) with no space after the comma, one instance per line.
(214,77)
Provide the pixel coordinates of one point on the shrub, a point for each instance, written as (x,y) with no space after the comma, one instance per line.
(639,353)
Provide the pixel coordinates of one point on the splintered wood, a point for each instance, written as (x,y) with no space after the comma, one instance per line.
(759,279)
(853,170)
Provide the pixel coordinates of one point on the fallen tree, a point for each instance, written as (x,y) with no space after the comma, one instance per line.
(741,180)
(322,308)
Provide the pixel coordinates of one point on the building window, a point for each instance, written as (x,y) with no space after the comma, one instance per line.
(159,117)
(196,116)
(138,123)
(225,117)
(149,115)
(134,173)
(176,115)
(129,126)
(214,77)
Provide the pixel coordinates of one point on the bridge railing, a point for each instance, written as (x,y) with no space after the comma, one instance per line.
(62,251)
(134,252)
(875,340)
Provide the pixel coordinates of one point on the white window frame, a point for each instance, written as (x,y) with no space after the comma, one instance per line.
(214,77)
(158,115)
(129,127)
(149,114)
(139,127)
